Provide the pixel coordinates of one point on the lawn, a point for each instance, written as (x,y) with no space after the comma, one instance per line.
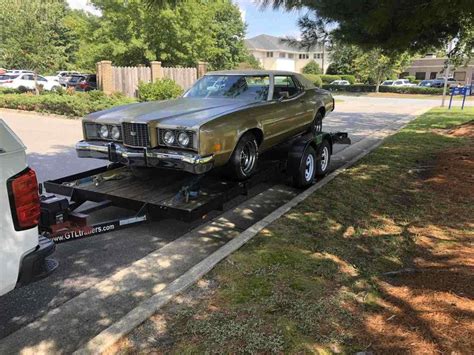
(380,260)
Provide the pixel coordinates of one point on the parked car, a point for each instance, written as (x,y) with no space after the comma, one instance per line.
(16,71)
(439,83)
(225,118)
(83,82)
(27,82)
(340,82)
(398,82)
(23,252)
(426,83)
(62,77)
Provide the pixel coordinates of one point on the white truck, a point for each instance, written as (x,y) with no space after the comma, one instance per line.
(23,252)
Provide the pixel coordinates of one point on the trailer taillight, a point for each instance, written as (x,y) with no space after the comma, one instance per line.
(24,199)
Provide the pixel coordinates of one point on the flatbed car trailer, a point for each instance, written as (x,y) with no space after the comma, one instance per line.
(168,194)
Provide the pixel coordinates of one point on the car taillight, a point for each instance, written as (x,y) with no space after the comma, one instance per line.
(24,199)
(83,84)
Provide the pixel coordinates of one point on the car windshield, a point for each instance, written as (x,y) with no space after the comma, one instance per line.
(387,82)
(76,78)
(241,87)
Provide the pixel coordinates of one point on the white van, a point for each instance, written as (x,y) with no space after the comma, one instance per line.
(23,251)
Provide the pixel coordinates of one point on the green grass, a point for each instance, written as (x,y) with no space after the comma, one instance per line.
(305,283)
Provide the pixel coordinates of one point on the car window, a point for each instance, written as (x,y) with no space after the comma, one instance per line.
(387,82)
(242,87)
(27,77)
(40,78)
(398,82)
(285,83)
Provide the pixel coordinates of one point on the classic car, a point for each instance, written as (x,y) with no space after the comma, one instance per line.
(225,118)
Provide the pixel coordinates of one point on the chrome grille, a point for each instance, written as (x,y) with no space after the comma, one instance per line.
(135,134)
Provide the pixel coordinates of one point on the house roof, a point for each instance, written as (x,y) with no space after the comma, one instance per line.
(272,43)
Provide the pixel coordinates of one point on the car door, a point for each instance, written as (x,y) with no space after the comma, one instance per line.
(27,81)
(288,108)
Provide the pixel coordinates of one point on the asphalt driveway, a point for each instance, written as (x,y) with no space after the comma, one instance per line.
(91,289)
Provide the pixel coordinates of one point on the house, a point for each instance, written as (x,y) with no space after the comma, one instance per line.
(431,67)
(276,54)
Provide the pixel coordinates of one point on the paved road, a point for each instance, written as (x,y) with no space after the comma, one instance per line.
(63,311)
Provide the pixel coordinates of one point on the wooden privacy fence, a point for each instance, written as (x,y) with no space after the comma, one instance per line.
(126,79)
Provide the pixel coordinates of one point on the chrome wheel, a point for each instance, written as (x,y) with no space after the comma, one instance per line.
(309,169)
(324,159)
(248,157)
(318,125)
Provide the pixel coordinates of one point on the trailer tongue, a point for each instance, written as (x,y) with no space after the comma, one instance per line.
(167,194)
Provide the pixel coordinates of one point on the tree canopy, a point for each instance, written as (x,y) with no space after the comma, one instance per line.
(49,36)
(392,26)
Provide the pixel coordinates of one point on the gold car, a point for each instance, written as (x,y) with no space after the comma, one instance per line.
(225,118)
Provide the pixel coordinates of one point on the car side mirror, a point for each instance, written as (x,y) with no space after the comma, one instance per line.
(284,95)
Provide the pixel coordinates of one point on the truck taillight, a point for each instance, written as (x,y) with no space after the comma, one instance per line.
(24,199)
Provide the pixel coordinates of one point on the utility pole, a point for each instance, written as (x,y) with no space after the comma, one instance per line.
(446,73)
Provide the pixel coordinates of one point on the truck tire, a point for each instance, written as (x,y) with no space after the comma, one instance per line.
(324,158)
(307,168)
(243,161)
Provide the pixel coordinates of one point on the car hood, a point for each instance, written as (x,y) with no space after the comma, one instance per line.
(188,112)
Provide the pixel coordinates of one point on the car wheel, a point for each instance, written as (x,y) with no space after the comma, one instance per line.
(324,158)
(243,161)
(307,170)
(317,125)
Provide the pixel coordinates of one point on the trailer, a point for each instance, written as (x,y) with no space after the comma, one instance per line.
(69,202)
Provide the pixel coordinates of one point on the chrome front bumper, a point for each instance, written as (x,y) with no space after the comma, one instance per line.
(145,157)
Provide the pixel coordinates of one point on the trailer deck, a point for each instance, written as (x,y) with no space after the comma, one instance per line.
(160,193)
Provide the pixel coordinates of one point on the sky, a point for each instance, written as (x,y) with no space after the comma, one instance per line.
(259,21)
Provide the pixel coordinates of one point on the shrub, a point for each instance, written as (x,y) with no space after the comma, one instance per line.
(315,79)
(312,68)
(392,89)
(327,79)
(350,78)
(9,91)
(411,78)
(159,90)
(78,104)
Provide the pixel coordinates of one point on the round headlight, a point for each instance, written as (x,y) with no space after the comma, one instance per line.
(104,131)
(115,132)
(168,137)
(183,139)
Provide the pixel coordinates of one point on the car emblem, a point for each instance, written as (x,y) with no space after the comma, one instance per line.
(133,134)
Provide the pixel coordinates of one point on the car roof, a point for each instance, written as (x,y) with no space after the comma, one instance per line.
(251,72)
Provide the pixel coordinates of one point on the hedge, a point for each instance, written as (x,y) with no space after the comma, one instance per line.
(75,104)
(315,79)
(350,78)
(327,79)
(392,89)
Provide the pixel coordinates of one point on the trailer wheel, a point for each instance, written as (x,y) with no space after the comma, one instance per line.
(324,158)
(307,168)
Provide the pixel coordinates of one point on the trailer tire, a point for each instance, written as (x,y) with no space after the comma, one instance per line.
(324,158)
(307,168)
(243,161)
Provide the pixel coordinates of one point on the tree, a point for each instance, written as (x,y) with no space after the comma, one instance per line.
(312,68)
(33,35)
(343,57)
(132,33)
(392,26)
(374,66)
(250,62)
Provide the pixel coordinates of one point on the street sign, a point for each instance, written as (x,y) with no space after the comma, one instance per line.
(459,91)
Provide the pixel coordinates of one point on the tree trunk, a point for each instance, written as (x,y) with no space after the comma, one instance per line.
(377,86)
(36,83)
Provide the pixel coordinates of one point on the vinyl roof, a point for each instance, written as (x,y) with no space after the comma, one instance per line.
(251,72)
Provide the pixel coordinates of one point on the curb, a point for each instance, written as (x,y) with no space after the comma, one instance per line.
(147,308)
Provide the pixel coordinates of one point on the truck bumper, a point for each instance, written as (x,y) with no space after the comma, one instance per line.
(145,157)
(34,266)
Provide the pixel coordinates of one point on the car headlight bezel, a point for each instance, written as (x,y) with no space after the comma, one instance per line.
(192,143)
